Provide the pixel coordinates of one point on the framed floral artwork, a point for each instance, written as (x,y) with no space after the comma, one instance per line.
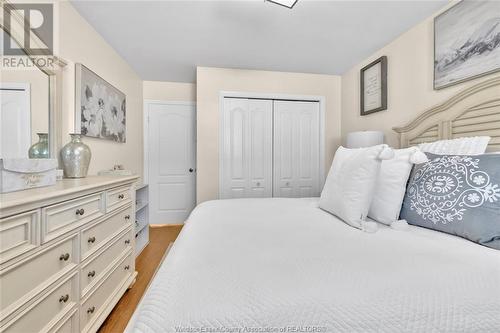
(100,107)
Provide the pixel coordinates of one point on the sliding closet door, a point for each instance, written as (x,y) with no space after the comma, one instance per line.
(247,148)
(296,149)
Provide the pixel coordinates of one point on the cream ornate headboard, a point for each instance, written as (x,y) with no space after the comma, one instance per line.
(472,112)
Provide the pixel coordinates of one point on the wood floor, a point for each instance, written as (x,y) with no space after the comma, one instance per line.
(145,265)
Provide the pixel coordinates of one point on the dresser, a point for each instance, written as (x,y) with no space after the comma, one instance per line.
(66,254)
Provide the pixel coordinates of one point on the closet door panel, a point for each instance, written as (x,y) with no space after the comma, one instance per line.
(247,148)
(296,149)
(260,147)
(308,150)
(235,164)
(284,154)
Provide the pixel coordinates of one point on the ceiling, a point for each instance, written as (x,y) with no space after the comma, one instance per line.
(166,40)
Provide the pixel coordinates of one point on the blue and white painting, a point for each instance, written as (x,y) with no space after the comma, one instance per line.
(467,42)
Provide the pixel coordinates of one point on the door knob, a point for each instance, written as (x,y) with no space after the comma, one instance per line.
(191,169)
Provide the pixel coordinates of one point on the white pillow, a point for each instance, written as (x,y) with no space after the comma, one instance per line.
(350,184)
(462,146)
(391,184)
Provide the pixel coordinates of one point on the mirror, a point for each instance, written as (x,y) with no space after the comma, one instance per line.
(31,117)
(24,113)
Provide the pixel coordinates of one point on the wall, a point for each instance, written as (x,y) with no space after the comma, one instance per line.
(169,91)
(210,81)
(80,43)
(410,84)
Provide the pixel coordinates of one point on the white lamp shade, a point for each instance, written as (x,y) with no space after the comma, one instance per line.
(364,139)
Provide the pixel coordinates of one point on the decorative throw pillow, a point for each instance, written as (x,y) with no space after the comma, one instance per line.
(391,184)
(349,187)
(461,146)
(458,195)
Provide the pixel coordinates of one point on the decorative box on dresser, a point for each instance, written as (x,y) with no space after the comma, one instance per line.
(67,254)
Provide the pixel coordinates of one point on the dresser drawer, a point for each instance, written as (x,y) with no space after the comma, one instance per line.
(99,234)
(39,315)
(100,264)
(118,197)
(102,297)
(69,324)
(32,275)
(71,214)
(19,234)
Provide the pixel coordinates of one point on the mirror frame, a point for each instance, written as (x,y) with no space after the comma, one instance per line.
(16,32)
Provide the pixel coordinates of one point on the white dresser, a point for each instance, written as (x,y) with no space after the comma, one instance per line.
(66,254)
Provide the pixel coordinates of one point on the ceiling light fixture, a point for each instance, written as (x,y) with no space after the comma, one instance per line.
(284,3)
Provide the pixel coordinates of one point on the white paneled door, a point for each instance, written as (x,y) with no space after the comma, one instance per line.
(296,149)
(15,120)
(247,149)
(270,148)
(171,162)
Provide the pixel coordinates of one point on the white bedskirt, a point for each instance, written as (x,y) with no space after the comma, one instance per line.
(271,265)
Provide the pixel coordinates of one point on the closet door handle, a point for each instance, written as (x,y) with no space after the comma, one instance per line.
(191,169)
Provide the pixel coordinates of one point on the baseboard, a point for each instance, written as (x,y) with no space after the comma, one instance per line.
(166,225)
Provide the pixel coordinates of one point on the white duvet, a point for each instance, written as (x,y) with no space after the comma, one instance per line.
(284,265)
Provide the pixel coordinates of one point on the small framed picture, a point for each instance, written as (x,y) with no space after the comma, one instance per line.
(374,87)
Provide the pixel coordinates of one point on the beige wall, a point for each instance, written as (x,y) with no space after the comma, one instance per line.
(169,91)
(210,81)
(410,84)
(80,43)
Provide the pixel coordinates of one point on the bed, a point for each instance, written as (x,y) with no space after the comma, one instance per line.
(284,265)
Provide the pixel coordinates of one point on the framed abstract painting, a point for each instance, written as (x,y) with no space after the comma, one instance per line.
(466,42)
(100,107)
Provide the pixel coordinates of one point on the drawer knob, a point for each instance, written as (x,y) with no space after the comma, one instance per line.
(64,256)
(121,196)
(91,239)
(63,299)
(91,274)
(126,267)
(127,217)
(127,241)
(80,211)
(91,310)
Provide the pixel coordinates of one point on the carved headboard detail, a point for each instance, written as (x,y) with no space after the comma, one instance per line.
(472,112)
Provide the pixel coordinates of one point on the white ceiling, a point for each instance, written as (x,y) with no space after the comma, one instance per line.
(166,40)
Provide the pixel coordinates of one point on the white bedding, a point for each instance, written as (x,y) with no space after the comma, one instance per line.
(267,264)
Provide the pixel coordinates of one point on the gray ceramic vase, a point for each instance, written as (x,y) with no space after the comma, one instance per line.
(41,148)
(76,157)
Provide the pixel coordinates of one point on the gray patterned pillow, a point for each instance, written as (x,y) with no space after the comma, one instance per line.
(459,195)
